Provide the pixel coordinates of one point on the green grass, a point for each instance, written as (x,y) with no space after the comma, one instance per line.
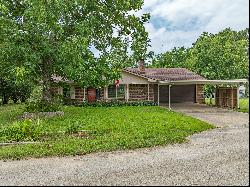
(113,128)
(8,113)
(209,101)
(244,104)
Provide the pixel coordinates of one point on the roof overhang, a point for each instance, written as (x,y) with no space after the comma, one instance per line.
(141,75)
(210,82)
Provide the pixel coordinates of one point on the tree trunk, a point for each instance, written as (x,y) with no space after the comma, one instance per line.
(47,96)
(5,99)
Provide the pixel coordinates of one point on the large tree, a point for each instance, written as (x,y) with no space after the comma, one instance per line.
(171,59)
(58,37)
(223,55)
(215,56)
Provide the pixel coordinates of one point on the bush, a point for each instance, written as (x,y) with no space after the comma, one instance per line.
(72,128)
(43,106)
(22,130)
(35,103)
(113,103)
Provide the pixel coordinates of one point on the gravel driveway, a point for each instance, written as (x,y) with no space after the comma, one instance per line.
(216,157)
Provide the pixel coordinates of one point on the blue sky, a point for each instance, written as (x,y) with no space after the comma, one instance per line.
(176,23)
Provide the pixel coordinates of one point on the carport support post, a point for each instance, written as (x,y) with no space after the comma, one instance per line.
(148,92)
(158,94)
(84,92)
(169,97)
(238,96)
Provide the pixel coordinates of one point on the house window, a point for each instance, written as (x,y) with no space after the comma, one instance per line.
(112,91)
(66,92)
(98,93)
(121,91)
(116,92)
(69,93)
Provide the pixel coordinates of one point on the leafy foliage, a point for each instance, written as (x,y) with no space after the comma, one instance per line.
(58,37)
(109,128)
(35,103)
(214,56)
(175,58)
(244,105)
(73,127)
(14,84)
(223,55)
(114,103)
(22,130)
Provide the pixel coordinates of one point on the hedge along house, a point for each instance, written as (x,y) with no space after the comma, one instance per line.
(161,85)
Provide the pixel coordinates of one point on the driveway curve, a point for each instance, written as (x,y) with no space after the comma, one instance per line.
(215,157)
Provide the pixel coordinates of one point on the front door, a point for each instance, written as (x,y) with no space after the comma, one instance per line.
(91,94)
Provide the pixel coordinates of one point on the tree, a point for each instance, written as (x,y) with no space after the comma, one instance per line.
(14,84)
(223,55)
(214,56)
(172,59)
(49,37)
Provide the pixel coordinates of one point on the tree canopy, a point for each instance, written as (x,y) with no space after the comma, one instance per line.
(215,56)
(49,37)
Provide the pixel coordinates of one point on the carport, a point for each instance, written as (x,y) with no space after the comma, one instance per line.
(183,90)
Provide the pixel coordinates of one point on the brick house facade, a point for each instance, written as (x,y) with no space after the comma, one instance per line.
(141,84)
(133,92)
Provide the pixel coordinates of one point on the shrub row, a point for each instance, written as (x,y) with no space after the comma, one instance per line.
(114,103)
(42,106)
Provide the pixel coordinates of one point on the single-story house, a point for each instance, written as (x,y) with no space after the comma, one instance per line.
(161,85)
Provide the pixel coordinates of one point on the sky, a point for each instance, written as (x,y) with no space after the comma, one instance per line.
(176,23)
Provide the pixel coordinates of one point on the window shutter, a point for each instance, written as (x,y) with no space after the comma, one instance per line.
(72,92)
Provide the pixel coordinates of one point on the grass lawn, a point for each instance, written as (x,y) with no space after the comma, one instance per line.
(111,128)
(244,104)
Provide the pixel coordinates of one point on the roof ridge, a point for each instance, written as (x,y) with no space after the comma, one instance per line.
(165,73)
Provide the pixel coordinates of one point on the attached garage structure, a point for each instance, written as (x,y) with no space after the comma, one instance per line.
(178,93)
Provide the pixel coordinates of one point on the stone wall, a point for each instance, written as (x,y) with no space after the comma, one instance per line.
(54,90)
(139,92)
(79,94)
(101,94)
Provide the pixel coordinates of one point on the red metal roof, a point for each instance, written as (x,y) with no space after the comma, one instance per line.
(163,74)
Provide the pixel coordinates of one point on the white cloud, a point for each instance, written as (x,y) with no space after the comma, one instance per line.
(150,3)
(163,40)
(187,19)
